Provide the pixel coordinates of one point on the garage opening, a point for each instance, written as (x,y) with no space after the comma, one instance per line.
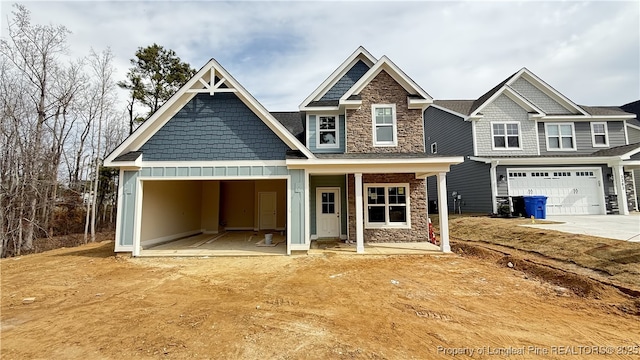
(213,217)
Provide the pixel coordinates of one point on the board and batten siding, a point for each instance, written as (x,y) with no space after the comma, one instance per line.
(538,98)
(584,142)
(219,127)
(313,133)
(503,109)
(339,181)
(471,179)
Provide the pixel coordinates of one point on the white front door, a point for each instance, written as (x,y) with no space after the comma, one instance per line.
(328,212)
(267,210)
(569,191)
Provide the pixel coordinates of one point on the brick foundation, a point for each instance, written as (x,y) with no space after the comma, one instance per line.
(419,227)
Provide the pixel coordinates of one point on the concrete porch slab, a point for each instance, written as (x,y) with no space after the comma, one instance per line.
(412,248)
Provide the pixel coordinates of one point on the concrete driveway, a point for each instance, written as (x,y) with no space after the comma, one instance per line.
(608,226)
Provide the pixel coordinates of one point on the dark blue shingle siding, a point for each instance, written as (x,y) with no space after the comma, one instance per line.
(346,82)
(219,127)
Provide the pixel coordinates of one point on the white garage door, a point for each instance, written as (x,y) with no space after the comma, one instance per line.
(569,191)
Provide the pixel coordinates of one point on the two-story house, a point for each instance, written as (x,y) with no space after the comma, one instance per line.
(525,138)
(350,164)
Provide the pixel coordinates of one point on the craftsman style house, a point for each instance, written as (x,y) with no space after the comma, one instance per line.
(524,138)
(350,164)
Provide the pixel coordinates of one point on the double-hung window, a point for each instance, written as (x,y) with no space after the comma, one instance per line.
(560,137)
(387,205)
(599,134)
(385,131)
(327,131)
(505,135)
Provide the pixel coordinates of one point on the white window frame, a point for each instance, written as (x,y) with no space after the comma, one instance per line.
(394,125)
(434,148)
(387,224)
(606,134)
(318,130)
(573,136)
(506,136)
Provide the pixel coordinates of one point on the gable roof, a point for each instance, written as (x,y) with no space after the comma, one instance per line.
(212,78)
(293,121)
(361,54)
(396,73)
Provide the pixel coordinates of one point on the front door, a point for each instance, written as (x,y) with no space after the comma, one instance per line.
(267,210)
(328,212)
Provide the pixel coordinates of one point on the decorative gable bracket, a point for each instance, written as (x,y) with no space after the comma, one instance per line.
(216,83)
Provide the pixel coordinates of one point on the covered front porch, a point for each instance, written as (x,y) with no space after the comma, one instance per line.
(373,199)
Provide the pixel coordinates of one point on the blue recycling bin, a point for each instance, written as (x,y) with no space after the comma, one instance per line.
(536,206)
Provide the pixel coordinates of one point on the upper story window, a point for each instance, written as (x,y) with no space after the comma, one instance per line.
(385,130)
(327,131)
(560,137)
(599,134)
(506,135)
(387,205)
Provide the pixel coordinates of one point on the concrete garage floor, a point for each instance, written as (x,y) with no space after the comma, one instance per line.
(620,227)
(231,243)
(250,243)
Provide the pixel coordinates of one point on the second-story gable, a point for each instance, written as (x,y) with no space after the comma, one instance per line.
(538,98)
(384,122)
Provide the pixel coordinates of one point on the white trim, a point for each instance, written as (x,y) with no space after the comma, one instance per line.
(626,133)
(239,177)
(448,160)
(533,160)
(514,96)
(338,208)
(306,129)
(537,137)
(606,134)
(434,147)
(560,136)
(474,135)
(505,136)
(168,238)
(393,125)
(395,72)
(225,163)
(137,218)
(360,54)
(126,248)
(631,126)
(494,186)
(388,224)
(346,185)
(336,129)
(586,117)
(181,98)
(307,208)
(288,224)
(443,213)
(545,88)
(359,213)
(439,107)
(119,213)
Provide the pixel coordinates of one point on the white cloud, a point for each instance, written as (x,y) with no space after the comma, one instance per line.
(280,51)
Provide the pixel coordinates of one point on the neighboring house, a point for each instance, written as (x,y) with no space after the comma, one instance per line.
(350,164)
(525,138)
(633,132)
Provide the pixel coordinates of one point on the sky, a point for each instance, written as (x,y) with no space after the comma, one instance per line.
(281,51)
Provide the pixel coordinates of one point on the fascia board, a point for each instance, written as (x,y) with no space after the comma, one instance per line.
(463,117)
(546,160)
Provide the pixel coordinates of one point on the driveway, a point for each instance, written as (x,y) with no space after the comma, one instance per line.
(619,227)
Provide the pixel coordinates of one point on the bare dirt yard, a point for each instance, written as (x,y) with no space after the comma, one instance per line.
(90,304)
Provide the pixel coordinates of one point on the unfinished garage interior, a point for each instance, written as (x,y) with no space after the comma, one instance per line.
(194,217)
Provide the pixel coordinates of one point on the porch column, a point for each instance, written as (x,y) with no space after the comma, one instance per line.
(443,212)
(359,214)
(494,187)
(619,185)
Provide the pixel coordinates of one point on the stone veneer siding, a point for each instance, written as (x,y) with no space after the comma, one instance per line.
(419,227)
(383,89)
